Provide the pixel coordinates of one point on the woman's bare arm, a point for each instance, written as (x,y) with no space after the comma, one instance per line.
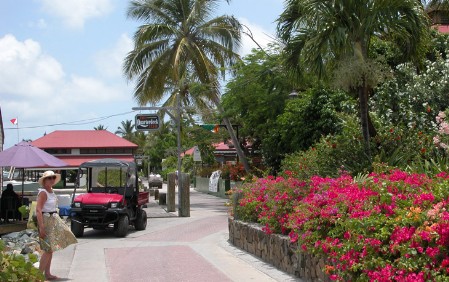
(41,199)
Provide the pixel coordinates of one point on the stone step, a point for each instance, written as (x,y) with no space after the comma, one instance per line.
(15,226)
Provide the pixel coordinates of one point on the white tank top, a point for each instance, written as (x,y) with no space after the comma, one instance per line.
(52,201)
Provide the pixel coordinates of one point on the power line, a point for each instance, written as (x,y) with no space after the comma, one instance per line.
(71,123)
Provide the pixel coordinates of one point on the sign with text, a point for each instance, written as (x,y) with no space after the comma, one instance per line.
(213,181)
(145,122)
(196,154)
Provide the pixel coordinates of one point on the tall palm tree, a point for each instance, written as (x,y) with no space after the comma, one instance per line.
(180,44)
(126,130)
(321,33)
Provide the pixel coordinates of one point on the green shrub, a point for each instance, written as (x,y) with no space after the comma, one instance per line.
(207,171)
(393,147)
(16,268)
(331,155)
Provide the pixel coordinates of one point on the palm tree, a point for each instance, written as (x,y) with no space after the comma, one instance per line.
(319,34)
(100,127)
(126,130)
(180,45)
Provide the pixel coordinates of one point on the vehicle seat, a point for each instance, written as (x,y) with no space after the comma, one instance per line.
(129,191)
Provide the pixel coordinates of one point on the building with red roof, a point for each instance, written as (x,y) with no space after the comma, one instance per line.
(223,152)
(440,19)
(78,146)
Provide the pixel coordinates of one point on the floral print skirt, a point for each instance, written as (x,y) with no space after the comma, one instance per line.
(58,233)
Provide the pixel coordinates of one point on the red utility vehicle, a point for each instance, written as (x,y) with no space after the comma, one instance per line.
(113,199)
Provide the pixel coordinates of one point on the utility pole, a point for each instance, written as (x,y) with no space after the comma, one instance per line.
(179,173)
(183,210)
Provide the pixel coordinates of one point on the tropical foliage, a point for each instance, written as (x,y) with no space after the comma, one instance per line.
(181,45)
(14,267)
(387,227)
(335,36)
(126,130)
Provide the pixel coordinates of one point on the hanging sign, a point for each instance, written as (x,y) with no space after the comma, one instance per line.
(145,122)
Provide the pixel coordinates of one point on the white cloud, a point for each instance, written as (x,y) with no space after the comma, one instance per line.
(259,34)
(35,88)
(40,24)
(109,62)
(74,13)
(84,90)
(25,71)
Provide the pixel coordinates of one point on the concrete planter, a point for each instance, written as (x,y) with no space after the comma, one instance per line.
(276,250)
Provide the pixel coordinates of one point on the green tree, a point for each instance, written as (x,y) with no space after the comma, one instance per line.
(160,144)
(413,99)
(100,127)
(323,35)
(126,130)
(256,94)
(304,121)
(179,45)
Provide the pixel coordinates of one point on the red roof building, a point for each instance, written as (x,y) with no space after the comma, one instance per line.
(223,152)
(440,19)
(78,146)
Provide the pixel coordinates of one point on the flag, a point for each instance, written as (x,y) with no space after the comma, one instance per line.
(14,121)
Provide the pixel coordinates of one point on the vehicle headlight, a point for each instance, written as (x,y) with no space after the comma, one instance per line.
(114,205)
(77,205)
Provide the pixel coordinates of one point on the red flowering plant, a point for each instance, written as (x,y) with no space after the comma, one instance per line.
(234,172)
(269,201)
(390,227)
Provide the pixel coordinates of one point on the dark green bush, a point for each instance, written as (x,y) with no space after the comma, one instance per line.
(16,268)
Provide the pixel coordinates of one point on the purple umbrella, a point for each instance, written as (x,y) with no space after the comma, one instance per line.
(24,155)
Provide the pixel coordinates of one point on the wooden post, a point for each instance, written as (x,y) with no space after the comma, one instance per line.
(236,197)
(162,198)
(184,191)
(171,194)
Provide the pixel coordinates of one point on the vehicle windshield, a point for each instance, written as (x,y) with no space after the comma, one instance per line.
(108,177)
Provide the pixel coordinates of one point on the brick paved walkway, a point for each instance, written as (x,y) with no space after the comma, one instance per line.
(170,249)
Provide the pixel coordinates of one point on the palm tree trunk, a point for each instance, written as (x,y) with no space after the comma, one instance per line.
(234,139)
(371,128)
(364,120)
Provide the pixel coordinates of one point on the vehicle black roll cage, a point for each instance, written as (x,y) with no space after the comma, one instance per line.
(115,163)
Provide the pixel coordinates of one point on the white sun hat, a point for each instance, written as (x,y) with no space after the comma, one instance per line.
(49,173)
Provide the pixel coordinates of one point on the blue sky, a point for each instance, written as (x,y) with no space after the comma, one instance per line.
(60,61)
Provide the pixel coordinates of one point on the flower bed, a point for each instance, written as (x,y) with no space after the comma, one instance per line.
(387,227)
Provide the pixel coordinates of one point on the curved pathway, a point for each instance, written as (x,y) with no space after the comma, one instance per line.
(195,248)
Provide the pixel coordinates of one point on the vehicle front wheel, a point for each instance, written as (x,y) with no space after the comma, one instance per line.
(141,220)
(77,227)
(121,226)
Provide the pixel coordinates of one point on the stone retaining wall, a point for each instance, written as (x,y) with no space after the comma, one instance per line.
(277,250)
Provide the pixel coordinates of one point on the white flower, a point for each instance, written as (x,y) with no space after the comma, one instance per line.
(436,140)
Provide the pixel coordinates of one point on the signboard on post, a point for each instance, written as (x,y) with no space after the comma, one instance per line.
(145,122)
(196,154)
(213,181)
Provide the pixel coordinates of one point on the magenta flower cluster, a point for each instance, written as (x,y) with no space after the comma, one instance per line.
(389,227)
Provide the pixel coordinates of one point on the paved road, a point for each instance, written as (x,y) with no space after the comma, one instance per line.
(170,249)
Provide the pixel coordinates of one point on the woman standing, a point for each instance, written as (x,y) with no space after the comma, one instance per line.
(54,234)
